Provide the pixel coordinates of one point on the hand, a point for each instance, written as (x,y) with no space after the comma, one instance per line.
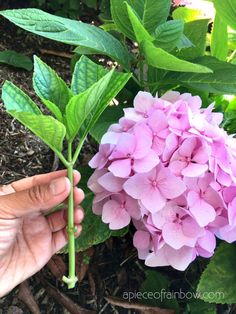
(28,238)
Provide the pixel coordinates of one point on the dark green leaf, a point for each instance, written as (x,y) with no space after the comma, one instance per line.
(223,80)
(48,129)
(219,39)
(111,115)
(168,35)
(140,32)
(161,59)
(16,99)
(86,73)
(184,43)
(155,13)
(69,31)
(199,306)
(196,32)
(82,107)
(151,13)
(227,11)
(49,86)
(155,284)
(218,281)
(16,59)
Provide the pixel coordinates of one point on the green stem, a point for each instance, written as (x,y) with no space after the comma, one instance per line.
(71,279)
(141,72)
(78,149)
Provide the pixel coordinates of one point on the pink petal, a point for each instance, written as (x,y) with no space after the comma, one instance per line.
(191,228)
(147,163)
(194,170)
(111,183)
(202,155)
(187,147)
(180,259)
(203,213)
(143,141)
(153,200)
(116,216)
(207,242)
(157,121)
(169,185)
(125,146)
(121,168)
(110,138)
(93,184)
(133,208)
(157,259)
(232,212)
(141,240)
(177,166)
(171,96)
(143,101)
(137,185)
(173,235)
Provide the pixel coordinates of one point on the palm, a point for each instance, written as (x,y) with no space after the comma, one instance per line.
(28,238)
(32,248)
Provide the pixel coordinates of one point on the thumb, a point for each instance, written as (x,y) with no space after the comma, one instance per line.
(35,199)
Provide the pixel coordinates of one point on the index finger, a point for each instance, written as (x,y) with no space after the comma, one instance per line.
(27,183)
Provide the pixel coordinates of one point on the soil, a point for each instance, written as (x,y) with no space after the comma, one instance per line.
(113,267)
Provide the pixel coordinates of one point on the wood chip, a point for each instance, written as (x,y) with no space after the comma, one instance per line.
(26,296)
(142,308)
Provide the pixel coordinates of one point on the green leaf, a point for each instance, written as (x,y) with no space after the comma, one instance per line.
(168,35)
(219,39)
(110,115)
(16,59)
(48,129)
(69,31)
(86,73)
(84,109)
(156,283)
(223,80)
(139,30)
(155,13)
(186,14)
(196,32)
(227,11)
(53,108)
(161,59)
(150,12)
(218,281)
(184,43)
(49,86)
(16,99)
(199,306)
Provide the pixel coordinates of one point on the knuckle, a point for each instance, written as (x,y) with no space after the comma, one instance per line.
(38,194)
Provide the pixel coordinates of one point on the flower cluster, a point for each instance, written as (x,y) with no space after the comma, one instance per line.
(170,168)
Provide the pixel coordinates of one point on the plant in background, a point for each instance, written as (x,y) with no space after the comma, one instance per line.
(75,111)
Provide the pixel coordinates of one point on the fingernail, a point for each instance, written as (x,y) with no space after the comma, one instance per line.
(59,186)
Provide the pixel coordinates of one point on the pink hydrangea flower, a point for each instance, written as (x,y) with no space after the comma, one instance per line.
(168,168)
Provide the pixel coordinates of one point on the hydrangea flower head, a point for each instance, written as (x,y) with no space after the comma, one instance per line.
(168,167)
